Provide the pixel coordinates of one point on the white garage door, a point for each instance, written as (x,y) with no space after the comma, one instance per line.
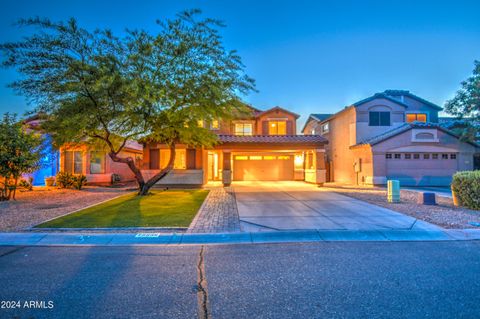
(260,167)
(422,169)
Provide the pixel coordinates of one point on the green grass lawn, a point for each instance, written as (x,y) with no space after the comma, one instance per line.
(171,208)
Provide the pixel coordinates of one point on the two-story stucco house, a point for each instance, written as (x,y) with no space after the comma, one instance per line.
(262,145)
(391,135)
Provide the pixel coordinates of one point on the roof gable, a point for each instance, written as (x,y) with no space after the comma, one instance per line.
(277,108)
(379,96)
(405,127)
(394,93)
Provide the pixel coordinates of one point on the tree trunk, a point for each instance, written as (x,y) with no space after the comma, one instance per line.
(144,187)
(163,172)
(15,188)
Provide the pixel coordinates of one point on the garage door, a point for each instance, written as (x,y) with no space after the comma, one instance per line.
(422,169)
(263,168)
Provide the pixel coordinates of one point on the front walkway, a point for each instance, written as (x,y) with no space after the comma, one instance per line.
(218,213)
(267,206)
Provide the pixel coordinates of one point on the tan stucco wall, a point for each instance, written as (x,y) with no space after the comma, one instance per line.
(341,133)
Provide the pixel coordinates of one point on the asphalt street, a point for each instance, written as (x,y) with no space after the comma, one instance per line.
(294,280)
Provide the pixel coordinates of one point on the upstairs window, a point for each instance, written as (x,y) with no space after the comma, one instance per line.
(418,117)
(214,125)
(277,127)
(379,118)
(200,123)
(325,128)
(243,129)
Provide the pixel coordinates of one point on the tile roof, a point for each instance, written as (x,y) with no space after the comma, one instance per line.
(382,95)
(320,116)
(403,128)
(412,96)
(273,139)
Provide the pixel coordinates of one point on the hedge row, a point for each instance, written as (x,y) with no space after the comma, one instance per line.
(466,186)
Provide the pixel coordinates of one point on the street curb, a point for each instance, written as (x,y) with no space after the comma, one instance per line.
(148,239)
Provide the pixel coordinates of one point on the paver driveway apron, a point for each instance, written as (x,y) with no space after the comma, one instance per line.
(289,205)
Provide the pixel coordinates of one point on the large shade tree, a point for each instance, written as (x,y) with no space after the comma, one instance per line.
(96,86)
(466,104)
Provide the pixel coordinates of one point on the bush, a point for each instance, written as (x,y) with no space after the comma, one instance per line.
(28,185)
(466,186)
(79,181)
(67,180)
(64,180)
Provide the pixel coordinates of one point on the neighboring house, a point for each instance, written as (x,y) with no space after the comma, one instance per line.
(50,159)
(262,145)
(97,165)
(82,159)
(391,135)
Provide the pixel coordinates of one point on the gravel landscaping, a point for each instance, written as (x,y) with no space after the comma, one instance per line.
(41,204)
(444,214)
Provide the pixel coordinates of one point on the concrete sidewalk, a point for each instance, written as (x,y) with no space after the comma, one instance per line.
(127,239)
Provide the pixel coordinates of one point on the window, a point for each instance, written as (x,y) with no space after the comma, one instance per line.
(313,132)
(269,158)
(434,156)
(388,156)
(180,158)
(444,156)
(426,156)
(73,162)
(277,127)
(453,156)
(379,119)
(200,123)
(416,156)
(398,156)
(408,156)
(97,162)
(419,117)
(243,129)
(215,125)
(241,158)
(255,158)
(325,128)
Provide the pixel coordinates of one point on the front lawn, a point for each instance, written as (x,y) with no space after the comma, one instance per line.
(171,208)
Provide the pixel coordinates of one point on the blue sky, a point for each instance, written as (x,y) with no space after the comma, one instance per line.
(307,56)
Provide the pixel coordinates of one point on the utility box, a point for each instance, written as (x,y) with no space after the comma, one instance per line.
(393,191)
(425,198)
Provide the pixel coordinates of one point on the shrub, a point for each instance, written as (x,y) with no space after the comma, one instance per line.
(79,181)
(28,185)
(64,180)
(466,186)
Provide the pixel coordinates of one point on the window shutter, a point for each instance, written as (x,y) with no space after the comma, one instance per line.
(289,128)
(265,127)
(190,158)
(154,158)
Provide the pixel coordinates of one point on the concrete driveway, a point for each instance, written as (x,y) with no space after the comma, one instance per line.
(267,206)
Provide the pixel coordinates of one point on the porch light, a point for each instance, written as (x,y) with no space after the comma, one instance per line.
(298,159)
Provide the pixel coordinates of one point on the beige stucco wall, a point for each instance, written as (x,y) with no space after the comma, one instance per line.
(341,135)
